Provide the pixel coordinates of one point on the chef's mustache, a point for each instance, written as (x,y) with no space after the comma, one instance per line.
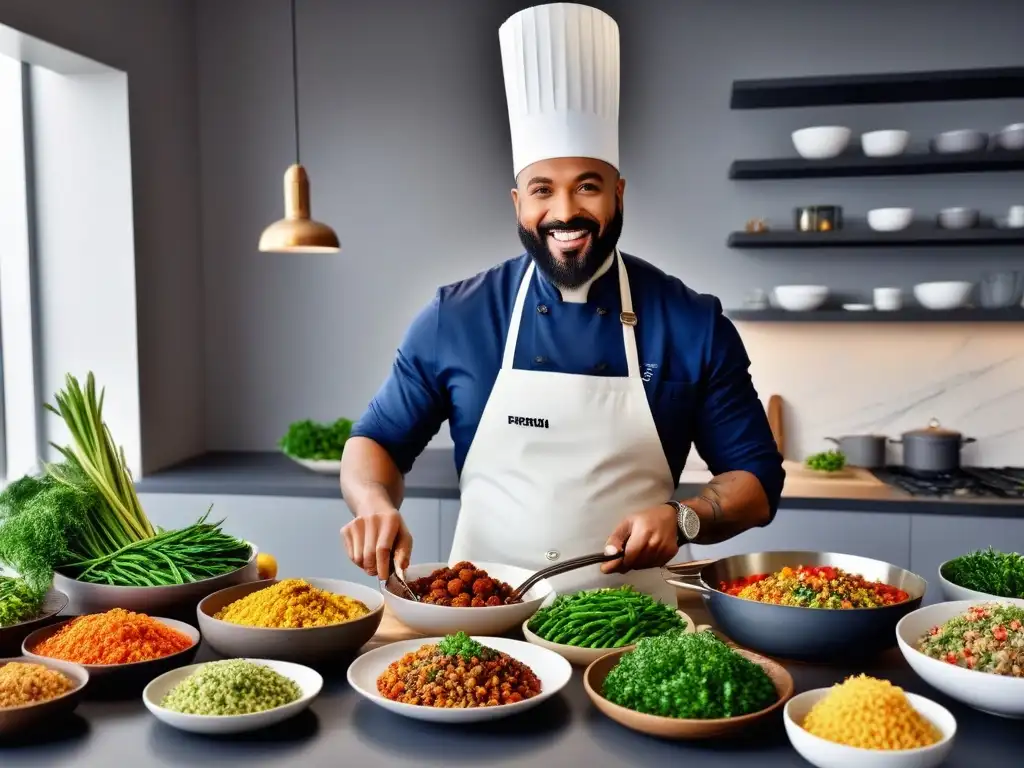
(575,223)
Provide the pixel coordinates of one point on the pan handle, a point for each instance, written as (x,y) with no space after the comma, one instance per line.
(688,575)
(832,440)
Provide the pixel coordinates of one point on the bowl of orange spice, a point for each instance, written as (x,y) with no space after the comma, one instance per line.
(121,650)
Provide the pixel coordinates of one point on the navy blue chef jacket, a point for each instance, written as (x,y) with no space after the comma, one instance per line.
(692,360)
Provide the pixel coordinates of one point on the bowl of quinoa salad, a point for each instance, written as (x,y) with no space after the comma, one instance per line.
(971,650)
(458,678)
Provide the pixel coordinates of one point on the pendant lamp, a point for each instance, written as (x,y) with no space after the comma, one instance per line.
(297,232)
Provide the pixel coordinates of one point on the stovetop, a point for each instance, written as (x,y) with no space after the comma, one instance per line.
(968,482)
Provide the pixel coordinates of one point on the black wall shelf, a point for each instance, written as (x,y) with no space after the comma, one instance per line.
(861,165)
(909,315)
(901,87)
(923,235)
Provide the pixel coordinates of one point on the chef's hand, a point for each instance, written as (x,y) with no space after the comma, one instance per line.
(649,538)
(369,540)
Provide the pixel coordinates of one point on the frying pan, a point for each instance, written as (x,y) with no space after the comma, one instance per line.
(790,632)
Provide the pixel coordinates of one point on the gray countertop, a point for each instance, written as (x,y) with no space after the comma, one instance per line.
(343,729)
(433,477)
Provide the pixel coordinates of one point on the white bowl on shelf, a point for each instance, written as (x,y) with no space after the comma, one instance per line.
(821,141)
(800,298)
(1011,137)
(829,754)
(886,143)
(992,694)
(947,294)
(959,141)
(890,219)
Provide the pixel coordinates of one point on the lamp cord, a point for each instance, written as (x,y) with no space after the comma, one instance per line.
(295,83)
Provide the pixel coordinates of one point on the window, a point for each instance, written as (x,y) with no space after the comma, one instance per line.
(19,401)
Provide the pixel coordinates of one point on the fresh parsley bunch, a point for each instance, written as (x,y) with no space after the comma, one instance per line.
(827,461)
(989,571)
(308,439)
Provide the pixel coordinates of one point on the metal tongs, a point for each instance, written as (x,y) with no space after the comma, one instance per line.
(557,568)
(402,583)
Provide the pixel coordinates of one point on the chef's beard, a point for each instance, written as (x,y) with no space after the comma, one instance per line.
(575,269)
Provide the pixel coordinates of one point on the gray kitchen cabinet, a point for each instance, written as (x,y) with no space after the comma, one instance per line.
(934,539)
(882,536)
(303,534)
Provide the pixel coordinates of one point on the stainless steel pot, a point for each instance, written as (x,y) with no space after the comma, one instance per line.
(932,450)
(867,451)
(805,634)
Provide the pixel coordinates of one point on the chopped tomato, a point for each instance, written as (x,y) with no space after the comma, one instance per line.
(999,632)
(951,657)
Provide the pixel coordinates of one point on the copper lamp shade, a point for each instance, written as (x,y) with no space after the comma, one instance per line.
(297,232)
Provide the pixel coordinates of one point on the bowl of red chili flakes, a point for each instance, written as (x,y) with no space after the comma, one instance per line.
(465,596)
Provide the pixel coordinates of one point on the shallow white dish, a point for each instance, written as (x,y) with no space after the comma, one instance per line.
(1011,137)
(583,657)
(993,694)
(951,591)
(309,681)
(551,669)
(827,754)
(821,141)
(320,466)
(491,620)
(949,294)
(886,143)
(890,219)
(800,298)
(857,307)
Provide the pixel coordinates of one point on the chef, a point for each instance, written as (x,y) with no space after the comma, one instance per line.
(574,378)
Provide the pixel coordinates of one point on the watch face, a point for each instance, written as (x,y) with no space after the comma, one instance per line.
(691,523)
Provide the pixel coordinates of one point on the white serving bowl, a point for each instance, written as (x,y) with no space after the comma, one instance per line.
(490,620)
(828,754)
(964,140)
(948,294)
(320,466)
(951,591)
(958,218)
(1011,137)
(800,298)
(993,694)
(887,143)
(309,681)
(821,141)
(551,669)
(890,219)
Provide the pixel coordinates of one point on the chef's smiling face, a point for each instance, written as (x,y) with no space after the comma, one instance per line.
(570,216)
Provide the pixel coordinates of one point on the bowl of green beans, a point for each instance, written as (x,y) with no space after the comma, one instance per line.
(587,625)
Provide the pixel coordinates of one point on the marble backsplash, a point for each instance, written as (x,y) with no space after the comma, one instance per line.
(838,379)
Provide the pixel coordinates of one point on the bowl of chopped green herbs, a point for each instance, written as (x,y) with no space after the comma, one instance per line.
(982,575)
(24,610)
(831,463)
(687,686)
(317,446)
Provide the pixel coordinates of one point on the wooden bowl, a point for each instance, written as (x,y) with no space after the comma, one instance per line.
(582,657)
(678,728)
(13,636)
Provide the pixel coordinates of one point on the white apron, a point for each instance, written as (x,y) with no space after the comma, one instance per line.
(557,461)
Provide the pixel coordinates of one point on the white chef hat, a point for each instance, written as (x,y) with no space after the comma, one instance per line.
(561,66)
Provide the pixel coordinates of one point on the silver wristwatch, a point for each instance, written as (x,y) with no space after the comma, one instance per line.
(687,522)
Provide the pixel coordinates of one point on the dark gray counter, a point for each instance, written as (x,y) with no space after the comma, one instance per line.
(433,477)
(342,729)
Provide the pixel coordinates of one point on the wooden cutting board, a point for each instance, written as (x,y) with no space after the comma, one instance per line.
(853,482)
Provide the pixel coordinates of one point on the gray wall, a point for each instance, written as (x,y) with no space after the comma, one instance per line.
(154,41)
(405,136)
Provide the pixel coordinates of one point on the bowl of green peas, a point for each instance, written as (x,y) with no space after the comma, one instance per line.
(587,625)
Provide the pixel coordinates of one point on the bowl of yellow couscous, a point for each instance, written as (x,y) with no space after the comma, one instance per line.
(865,722)
(305,621)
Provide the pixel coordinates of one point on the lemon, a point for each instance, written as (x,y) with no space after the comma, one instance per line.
(266,565)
